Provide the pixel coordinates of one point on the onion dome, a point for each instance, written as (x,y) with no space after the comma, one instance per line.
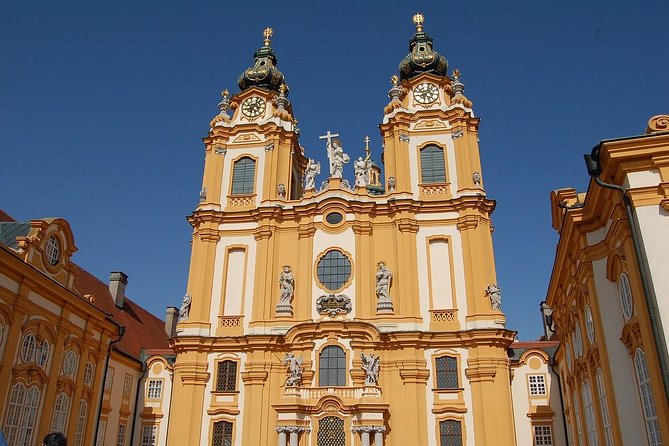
(422,58)
(263,73)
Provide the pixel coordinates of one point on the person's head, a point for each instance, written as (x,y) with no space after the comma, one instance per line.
(55,439)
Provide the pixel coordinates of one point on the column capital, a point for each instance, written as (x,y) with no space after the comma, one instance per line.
(292,429)
(368,429)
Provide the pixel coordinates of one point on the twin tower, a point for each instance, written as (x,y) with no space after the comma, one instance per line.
(343,314)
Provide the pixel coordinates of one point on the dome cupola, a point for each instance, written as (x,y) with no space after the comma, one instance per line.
(422,58)
(264,72)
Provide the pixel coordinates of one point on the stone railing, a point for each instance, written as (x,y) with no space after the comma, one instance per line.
(241,200)
(446,319)
(344,393)
(435,190)
(229,325)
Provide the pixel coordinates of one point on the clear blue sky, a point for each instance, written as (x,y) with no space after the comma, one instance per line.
(103,106)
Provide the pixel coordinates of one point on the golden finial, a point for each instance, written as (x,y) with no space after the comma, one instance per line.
(282,89)
(267,33)
(456,74)
(418,20)
(394,79)
(225,93)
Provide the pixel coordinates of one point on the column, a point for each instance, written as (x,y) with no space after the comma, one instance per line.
(293,436)
(378,435)
(282,435)
(290,432)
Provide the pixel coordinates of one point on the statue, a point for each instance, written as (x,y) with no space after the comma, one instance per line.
(361,167)
(287,289)
(295,367)
(370,364)
(313,169)
(184,311)
(494,293)
(476,178)
(337,158)
(383,279)
(203,194)
(392,183)
(281,190)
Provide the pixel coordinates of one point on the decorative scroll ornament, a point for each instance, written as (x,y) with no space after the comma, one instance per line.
(294,365)
(370,364)
(334,304)
(495,294)
(658,123)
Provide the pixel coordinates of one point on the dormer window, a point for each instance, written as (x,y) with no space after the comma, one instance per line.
(53,250)
(243,176)
(432,165)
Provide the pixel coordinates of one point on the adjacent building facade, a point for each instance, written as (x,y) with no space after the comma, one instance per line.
(606,300)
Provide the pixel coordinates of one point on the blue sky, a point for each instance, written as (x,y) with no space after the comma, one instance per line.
(103,106)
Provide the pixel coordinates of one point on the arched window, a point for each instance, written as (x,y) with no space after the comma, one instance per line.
(432,165)
(332,367)
(647,399)
(447,372)
(590,424)
(625,296)
(28,347)
(450,433)
(243,176)
(60,412)
(226,379)
(70,361)
(21,414)
(81,423)
(89,371)
(222,435)
(577,416)
(604,408)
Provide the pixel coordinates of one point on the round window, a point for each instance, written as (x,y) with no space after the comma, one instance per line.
(70,363)
(334,218)
(333,270)
(52,250)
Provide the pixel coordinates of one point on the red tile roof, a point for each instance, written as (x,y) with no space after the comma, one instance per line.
(5,217)
(142,329)
(535,344)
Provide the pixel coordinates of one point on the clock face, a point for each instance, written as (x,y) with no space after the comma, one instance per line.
(253,107)
(426,93)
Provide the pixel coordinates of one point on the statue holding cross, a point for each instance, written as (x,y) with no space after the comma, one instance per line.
(336,154)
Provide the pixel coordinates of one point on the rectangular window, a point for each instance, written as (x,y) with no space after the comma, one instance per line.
(226,377)
(120,436)
(604,409)
(109,380)
(149,435)
(127,386)
(543,436)
(243,176)
(222,435)
(447,372)
(590,424)
(102,431)
(450,433)
(537,384)
(432,165)
(577,416)
(81,423)
(155,389)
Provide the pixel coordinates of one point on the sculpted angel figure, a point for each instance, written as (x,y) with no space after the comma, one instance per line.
(185,307)
(287,285)
(294,365)
(370,364)
(495,294)
(383,278)
(313,169)
(361,167)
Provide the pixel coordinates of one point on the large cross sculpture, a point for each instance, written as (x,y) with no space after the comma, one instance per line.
(328,146)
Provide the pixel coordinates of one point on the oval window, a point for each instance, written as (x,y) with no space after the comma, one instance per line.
(334,218)
(333,270)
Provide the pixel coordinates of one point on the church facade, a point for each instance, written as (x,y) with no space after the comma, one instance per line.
(349,314)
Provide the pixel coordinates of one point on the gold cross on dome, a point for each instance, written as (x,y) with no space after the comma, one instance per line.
(456,74)
(366,145)
(267,33)
(418,20)
(225,93)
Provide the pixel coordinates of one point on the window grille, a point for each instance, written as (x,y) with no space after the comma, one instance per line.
(14,410)
(81,423)
(60,412)
(647,399)
(222,434)
(447,372)
(331,432)
(52,250)
(227,376)
(120,436)
(432,165)
(243,176)
(604,409)
(537,384)
(590,423)
(543,436)
(333,270)
(450,433)
(155,389)
(332,367)
(149,435)
(625,296)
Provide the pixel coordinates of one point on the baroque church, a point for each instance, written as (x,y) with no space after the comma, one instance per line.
(339,314)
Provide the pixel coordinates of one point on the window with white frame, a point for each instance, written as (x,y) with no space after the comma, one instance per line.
(589,324)
(81,423)
(42,353)
(127,386)
(243,176)
(222,434)
(647,399)
(89,371)
(60,411)
(70,363)
(625,296)
(149,435)
(52,250)
(447,372)
(589,411)
(577,416)
(155,389)
(120,436)
(109,380)
(28,347)
(537,384)
(543,436)
(432,165)
(450,433)
(578,340)
(21,413)
(102,431)
(604,409)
